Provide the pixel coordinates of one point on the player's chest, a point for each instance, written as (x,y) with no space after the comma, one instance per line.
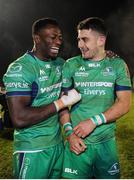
(48,74)
(95,72)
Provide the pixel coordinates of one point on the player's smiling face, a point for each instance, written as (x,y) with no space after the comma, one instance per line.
(89,42)
(50,40)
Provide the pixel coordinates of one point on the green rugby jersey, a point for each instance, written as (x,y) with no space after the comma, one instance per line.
(97,81)
(29,76)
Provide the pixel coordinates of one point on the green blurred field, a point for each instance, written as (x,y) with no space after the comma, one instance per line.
(125,140)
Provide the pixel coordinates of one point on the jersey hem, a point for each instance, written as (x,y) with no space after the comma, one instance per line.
(37,150)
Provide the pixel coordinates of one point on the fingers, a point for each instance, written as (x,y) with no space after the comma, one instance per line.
(75,150)
(75,128)
(76,144)
(78,147)
(79,132)
(84,128)
(83,146)
(83,135)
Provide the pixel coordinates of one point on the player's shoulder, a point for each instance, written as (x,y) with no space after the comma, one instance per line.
(74,60)
(116,60)
(20,64)
(113,57)
(21,60)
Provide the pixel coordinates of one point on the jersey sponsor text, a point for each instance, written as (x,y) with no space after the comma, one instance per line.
(94,84)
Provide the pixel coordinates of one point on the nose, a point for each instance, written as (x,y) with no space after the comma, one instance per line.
(58,41)
(80,44)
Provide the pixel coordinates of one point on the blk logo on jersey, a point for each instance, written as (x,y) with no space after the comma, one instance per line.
(94,65)
(71,171)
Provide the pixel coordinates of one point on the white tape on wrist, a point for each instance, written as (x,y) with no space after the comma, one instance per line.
(98,119)
(56,106)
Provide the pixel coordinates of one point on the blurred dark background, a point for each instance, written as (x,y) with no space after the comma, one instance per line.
(17,17)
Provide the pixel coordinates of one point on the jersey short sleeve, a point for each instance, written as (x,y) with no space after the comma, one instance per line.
(18,79)
(123,81)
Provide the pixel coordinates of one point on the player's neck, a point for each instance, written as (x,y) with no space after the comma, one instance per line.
(39,55)
(100,55)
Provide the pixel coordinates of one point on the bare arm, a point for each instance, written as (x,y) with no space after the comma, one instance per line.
(64,116)
(120,107)
(23,115)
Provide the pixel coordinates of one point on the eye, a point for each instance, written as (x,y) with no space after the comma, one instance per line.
(85,39)
(53,37)
(78,39)
(60,38)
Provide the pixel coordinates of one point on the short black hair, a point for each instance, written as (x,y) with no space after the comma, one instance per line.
(94,23)
(42,23)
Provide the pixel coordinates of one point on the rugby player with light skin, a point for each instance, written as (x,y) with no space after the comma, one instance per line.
(104,84)
(33,85)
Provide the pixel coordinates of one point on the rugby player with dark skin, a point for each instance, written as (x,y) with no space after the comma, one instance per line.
(47,43)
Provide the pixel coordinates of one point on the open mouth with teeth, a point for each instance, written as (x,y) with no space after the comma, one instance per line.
(54,49)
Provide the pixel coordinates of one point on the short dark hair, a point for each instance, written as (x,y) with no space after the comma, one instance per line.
(42,23)
(94,23)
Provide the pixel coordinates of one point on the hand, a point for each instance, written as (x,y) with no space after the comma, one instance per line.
(76,144)
(84,128)
(111,54)
(68,100)
(71,98)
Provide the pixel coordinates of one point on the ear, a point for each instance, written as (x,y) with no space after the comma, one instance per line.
(36,39)
(101,40)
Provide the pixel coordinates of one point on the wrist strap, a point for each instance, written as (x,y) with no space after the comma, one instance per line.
(59,104)
(98,119)
(56,106)
(68,129)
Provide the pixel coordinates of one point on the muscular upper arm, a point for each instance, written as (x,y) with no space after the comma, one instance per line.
(120,107)
(24,115)
(17,106)
(124,97)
